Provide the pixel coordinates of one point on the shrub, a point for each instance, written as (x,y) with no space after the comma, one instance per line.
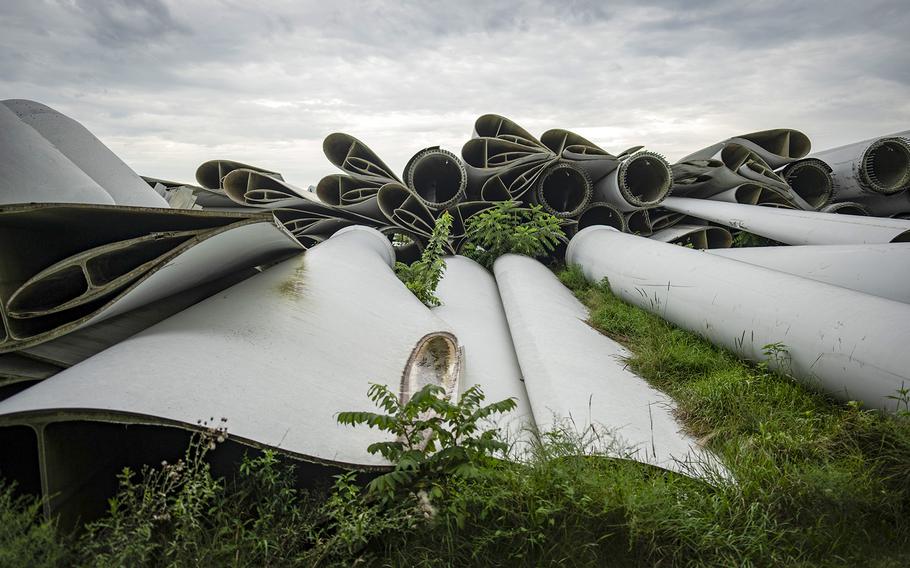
(423,276)
(26,537)
(509,228)
(434,437)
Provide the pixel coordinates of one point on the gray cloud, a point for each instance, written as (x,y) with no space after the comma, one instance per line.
(170,84)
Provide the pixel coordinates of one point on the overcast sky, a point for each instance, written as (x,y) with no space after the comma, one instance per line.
(170,84)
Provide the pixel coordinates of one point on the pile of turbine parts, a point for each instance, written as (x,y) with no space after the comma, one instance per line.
(135,311)
(565,174)
(572,178)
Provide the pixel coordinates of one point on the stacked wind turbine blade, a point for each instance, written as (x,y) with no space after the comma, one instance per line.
(255,189)
(565,174)
(695,236)
(810,179)
(18,372)
(876,167)
(496,126)
(312,222)
(404,208)
(848,343)
(438,178)
(661,218)
(601,213)
(847,208)
(642,180)
(639,222)
(871,177)
(895,205)
(503,160)
(370,193)
(722,170)
(563,189)
(265,354)
(632,181)
(211,194)
(795,227)
(77,346)
(66,266)
(754,194)
(349,194)
(881,270)
(572,372)
(777,147)
(514,182)
(85,152)
(25,367)
(357,159)
(472,307)
(211,174)
(32,170)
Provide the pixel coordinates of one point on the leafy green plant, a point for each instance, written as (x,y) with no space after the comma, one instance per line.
(434,437)
(146,514)
(509,228)
(423,276)
(26,537)
(179,514)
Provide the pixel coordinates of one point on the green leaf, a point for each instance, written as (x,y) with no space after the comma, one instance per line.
(509,228)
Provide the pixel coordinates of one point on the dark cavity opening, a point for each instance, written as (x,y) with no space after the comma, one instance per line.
(600,215)
(812,183)
(748,194)
(437,179)
(110,266)
(639,223)
(9,389)
(890,164)
(716,237)
(849,209)
(51,291)
(647,179)
(565,190)
(707,238)
(19,459)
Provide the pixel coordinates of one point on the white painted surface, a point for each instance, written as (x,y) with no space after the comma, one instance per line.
(33,170)
(210,256)
(88,154)
(881,270)
(791,226)
(845,162)
(573,372)
(279,355)
(471,305)
(851,344)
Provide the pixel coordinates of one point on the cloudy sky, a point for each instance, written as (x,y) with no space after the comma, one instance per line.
(168,84)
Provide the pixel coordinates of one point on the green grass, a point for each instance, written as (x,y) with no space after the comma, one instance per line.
(817,483)
(824,481)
